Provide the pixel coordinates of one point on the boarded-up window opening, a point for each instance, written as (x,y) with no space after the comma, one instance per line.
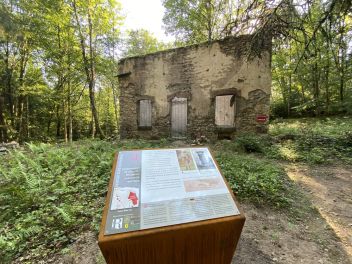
(178,117)
(225,111)
(145,113)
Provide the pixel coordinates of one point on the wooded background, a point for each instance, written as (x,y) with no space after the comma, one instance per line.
(58,59)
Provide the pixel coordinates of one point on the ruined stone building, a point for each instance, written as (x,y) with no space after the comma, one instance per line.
(212,89)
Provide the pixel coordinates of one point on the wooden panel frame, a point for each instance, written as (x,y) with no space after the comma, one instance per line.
(152,101)
(211,241)
(145,115)
(228,112)
(176,130)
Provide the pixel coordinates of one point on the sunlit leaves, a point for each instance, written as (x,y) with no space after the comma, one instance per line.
(140,42)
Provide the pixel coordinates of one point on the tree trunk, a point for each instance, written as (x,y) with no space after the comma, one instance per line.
(65,121)
(342,86)
(27,117)
(342,47)
(289,95)
(69,108)
(92,79)
(58,122)
(60,90)
(21,97)
(48,126)
(327,92)
(96,124)
(92,127)
(89,67)
(8,83)
(115,106)
(3,128)
(316,88)
(209,20)
(20,119)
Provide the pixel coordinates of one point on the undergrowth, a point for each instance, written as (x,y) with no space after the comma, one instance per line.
(51,193)
(257,180)
(305,141)
(327,127)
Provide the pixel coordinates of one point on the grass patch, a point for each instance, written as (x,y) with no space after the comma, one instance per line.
(312,141)
(328,126)
(256,180)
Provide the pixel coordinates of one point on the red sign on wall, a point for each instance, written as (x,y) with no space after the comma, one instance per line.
(262,118)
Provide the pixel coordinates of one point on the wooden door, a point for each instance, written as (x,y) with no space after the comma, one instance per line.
(178,117)
(224,111)
(145,113)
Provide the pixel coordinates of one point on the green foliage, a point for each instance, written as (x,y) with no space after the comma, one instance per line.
(311,67)
(329,126)
(43,75)
(257,180)
(143,144)
(252,143)
(141,42)
(311,140)
(50,193)
(195,21)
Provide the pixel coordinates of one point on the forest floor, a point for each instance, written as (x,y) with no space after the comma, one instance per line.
(293,184)
(272,236)
(323,236)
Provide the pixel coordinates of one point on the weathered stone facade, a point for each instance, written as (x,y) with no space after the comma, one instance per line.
(238,66)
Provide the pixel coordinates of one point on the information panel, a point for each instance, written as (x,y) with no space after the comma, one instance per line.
(154,188)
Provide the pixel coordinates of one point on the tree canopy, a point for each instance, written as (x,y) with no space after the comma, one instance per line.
(58,59)
(50,53)
(311,45)
(140,42)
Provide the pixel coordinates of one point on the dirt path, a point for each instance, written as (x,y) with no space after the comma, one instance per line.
(330,190)
(269,236)
(324,236)
(273,237)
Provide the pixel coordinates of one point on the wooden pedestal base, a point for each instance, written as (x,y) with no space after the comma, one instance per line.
(212,241)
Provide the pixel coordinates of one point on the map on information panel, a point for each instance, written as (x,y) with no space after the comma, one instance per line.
(154,188)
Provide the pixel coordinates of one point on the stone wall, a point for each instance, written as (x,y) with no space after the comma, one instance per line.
(240,66)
